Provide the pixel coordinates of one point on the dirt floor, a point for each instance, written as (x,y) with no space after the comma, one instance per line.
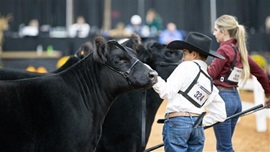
(246,137)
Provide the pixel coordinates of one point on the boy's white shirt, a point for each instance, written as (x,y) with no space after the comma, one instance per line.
(180,79)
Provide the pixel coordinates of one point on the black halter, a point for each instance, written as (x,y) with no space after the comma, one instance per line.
(125,74)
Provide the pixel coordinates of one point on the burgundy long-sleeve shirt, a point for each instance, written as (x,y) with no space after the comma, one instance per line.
(220,68)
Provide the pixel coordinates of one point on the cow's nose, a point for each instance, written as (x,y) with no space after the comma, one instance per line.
(153,76)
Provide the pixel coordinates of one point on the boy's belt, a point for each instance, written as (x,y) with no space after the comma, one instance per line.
(177,114)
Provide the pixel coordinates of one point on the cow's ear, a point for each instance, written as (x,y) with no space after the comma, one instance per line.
(101,50)
(84,50)
(87,47)
(136,39)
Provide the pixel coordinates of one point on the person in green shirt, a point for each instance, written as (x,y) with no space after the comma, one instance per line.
(154,22)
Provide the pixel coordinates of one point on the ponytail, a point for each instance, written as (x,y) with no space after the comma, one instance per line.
(241,44)
(238,32)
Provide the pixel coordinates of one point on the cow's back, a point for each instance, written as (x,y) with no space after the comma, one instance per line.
(39,115)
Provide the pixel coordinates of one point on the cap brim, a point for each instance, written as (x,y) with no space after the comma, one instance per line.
(177,44)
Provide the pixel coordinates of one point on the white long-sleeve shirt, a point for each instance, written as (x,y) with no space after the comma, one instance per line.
(180,79)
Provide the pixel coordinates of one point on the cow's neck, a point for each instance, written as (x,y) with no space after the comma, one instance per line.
(84,78)
(96,84)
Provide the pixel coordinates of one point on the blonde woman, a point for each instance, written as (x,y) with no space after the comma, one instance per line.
(226,73)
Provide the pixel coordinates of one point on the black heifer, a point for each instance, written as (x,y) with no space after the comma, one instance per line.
(12,74)
(64,112)
(122,128)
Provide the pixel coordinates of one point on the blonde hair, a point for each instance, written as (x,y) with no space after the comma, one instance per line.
(238,32)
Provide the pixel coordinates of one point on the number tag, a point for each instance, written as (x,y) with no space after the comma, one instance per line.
(199,93)
(199,90)
(235,74)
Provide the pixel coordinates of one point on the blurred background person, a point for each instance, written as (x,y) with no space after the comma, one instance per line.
(31,30)
(119,31)
(137,27)
(154,22)
(171,33)
(267,25)
(79,29)
(4,26)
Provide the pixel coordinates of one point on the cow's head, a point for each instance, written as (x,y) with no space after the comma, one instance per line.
(162,59)
(123,60)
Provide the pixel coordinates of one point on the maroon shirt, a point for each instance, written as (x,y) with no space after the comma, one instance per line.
(219,67)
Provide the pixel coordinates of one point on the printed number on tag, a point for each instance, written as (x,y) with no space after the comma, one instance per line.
(235,74)
(199,94)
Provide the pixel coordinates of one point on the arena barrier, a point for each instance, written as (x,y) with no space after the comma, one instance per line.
(259,98)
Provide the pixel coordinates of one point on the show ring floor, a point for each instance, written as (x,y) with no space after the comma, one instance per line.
(245,139)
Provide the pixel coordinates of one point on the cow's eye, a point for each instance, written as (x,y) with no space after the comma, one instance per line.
(123,61)
(120,60)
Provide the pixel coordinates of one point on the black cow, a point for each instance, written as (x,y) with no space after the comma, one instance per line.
(122,127)
(64,112)
(12,74)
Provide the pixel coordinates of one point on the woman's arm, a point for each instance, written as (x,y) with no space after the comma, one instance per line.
(260,74)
